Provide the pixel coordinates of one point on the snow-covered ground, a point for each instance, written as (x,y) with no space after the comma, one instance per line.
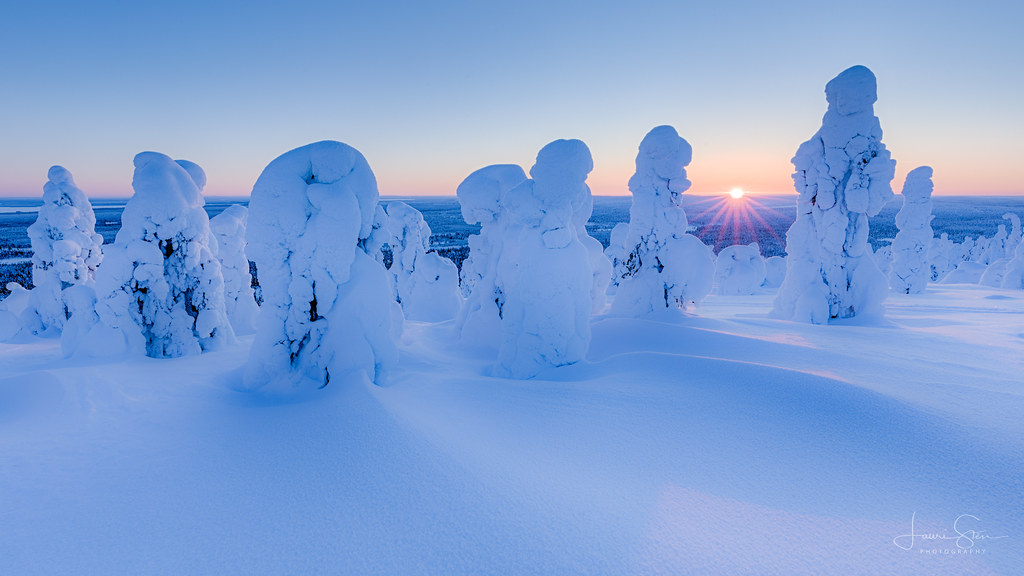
(719,443)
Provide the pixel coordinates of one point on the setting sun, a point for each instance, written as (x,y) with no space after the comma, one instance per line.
(736,193)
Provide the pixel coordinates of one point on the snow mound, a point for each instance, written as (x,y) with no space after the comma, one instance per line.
(326,303)
(774,271)
(65,250)
(843,176)
(663,266)
(739,270)
(911,270)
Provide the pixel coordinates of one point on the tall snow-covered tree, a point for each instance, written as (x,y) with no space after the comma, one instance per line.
(160,289)
(480,195)
(843,176)
(65,250)
(911,270)
(664,267)
(327,304)
(544,271)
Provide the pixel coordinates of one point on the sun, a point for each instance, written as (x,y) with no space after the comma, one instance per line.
(736,193)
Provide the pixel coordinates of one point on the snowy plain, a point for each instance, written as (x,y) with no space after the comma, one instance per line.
(719,442)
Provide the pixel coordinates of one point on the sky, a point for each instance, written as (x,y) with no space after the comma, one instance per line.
(431,91)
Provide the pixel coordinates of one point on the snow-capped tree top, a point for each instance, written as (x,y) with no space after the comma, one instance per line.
(334,166)
(195,171)
(407,226)
(561,171)
(853,91)
(480,193)
(918,186)
(230,221)
(58,175)
(663,155)
(164,192)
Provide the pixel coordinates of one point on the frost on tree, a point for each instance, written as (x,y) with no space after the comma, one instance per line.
(228,229)
(843,176)
(426,284)
(480,194)
(65,250)
(327,304)
(160,289)
(661,266)
(911,270)
(544,271)
(739,269)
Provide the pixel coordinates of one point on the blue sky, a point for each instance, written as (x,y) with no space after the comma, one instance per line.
(431,91)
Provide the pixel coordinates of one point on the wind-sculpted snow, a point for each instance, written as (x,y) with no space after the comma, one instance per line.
(426,284)
(65,250)
(544,270)
(843,176)
(480,196)
(228,229)
(160,289)
(659,265)
(911,270)
(739,269)
(326,303)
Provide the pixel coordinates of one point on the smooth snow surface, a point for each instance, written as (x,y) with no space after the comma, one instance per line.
(724,444)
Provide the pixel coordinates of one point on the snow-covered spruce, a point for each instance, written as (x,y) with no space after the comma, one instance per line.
(160,289)
(65,250)
(739,269)
(941,257)
(911,270)
(664,267)
(327,305)
(843,176)
(228,229)
(479,320)
(12,309)
(426,284)
(1013,275)
(544,270)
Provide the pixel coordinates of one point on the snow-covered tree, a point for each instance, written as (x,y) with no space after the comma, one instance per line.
(480,195)
(1013,275)
(228,229)
(427,284)
(12,309)
(65,250)
(941,257)
(160,289)
(544,270)
(739,269)
(327,304)
(910,268)
(843,176)
(664,267)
